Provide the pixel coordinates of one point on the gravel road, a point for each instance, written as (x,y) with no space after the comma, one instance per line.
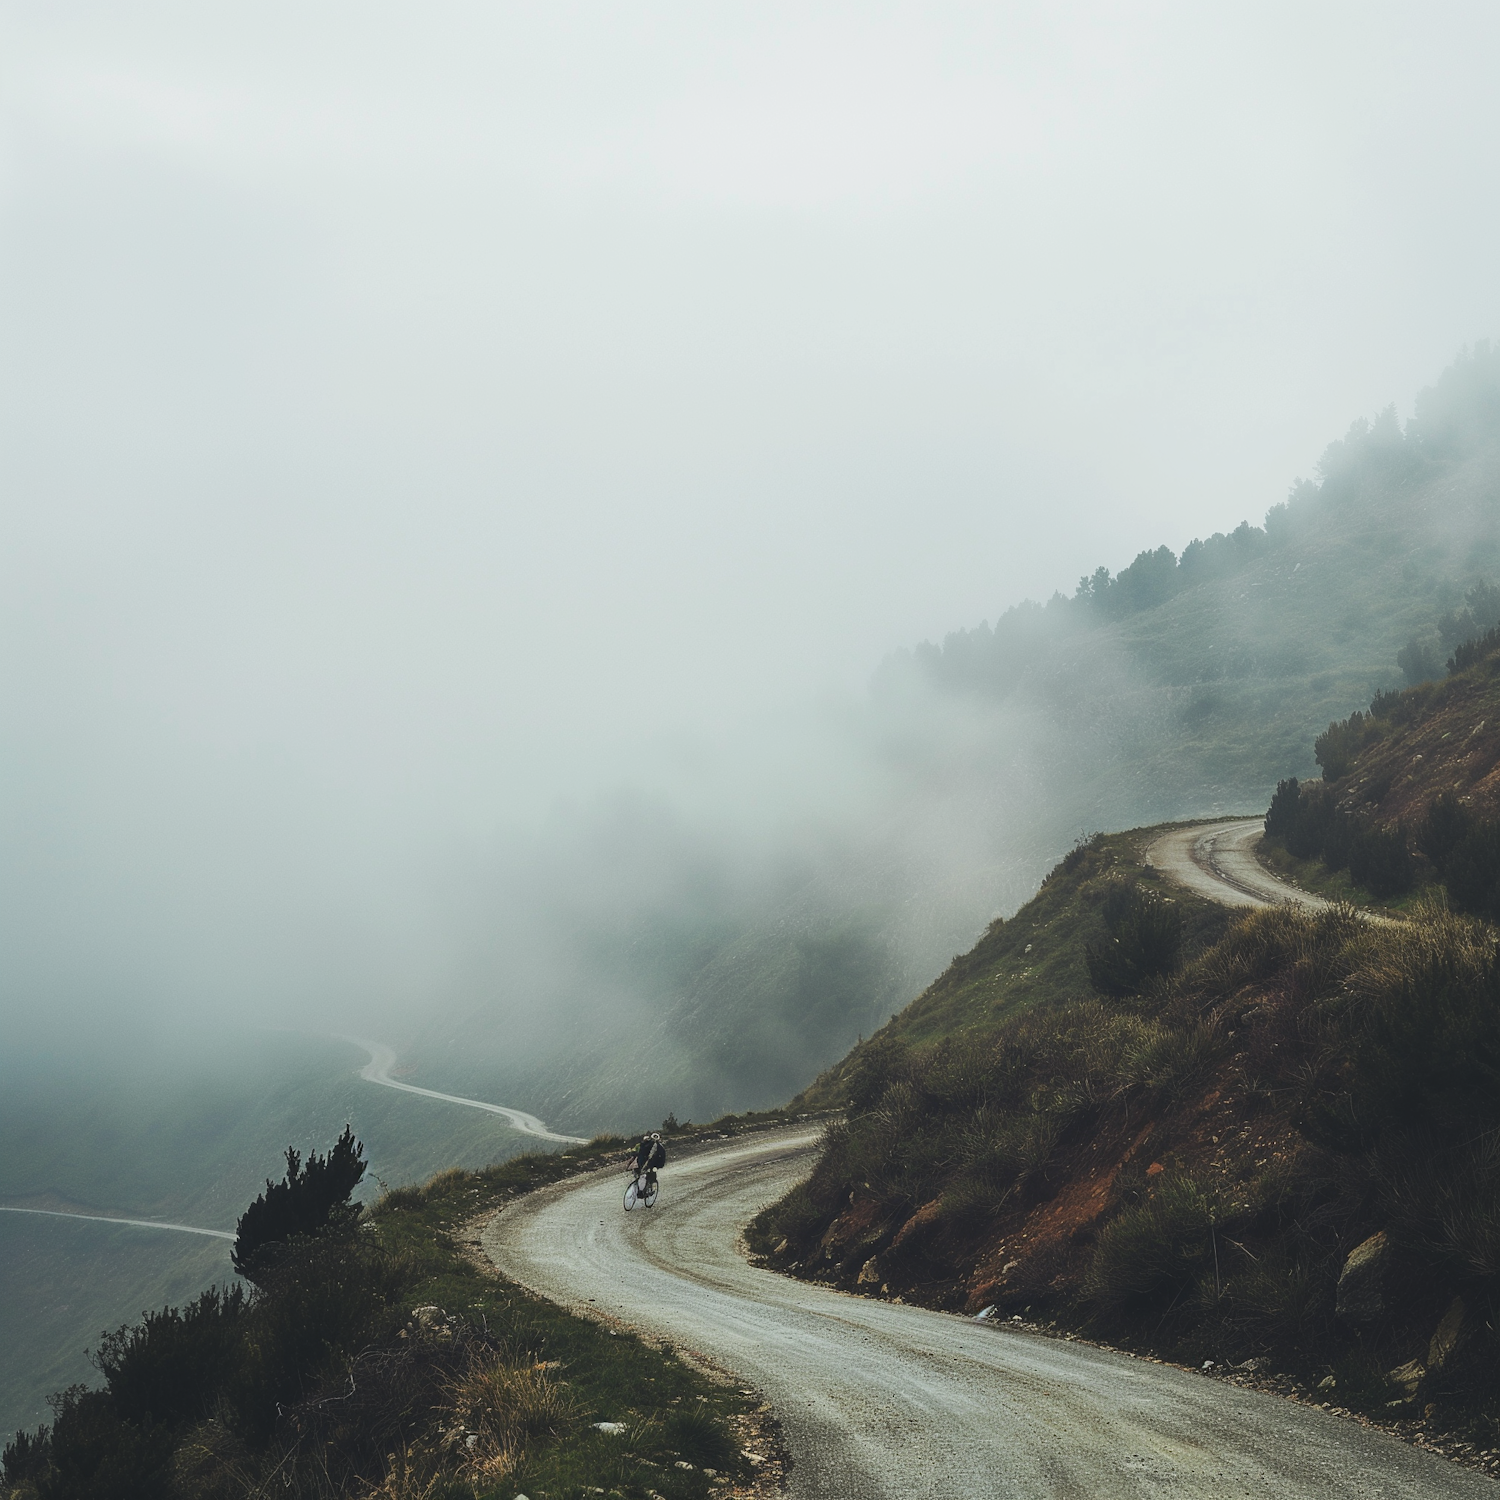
(1217,860)
(880,1399)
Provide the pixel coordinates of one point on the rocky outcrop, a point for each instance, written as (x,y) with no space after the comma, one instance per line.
(1361,1292)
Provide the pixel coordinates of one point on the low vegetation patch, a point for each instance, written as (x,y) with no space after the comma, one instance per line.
(375,1355)
(1280,1146)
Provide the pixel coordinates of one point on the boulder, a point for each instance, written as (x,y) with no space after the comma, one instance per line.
(1361,1293)
(1448,1335)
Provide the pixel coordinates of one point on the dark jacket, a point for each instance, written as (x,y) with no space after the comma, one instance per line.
(650,1154)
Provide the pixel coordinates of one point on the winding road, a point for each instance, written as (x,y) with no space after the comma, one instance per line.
(878,1399)
(383,1059)
(63,1213)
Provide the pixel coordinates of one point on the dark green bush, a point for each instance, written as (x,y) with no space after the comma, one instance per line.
(1443,828)
(1420,1042)
(1469,652)
(1380,861)
(302,1203)
(1144,941)
(328,1296)
(172,1365)
(94,1454)
(1472,872)
(1285,811)
(25,1457)
(1337,746)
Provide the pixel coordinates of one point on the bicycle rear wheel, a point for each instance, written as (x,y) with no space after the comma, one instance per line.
(653,1187)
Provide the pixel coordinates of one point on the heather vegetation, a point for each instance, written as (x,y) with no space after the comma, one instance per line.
(1274,1145)
(372,1358)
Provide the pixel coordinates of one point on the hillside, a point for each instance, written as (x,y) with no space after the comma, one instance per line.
(1180,686)
(1410,797)
(1271,1144)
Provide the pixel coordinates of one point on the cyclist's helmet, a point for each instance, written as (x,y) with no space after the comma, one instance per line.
(656,1135)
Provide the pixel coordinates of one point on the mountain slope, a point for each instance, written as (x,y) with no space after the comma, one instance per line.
(1178,687)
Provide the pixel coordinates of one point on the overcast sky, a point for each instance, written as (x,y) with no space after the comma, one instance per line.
(411,412)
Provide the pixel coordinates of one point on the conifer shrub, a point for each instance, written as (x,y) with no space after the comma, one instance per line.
(306,1200)
(1469,653)
(1337,746)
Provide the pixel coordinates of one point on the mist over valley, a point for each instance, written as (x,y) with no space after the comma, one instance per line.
(611,555)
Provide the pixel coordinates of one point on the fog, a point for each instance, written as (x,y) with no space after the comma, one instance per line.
(429,431)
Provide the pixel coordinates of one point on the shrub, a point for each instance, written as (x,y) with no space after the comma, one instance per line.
(1380,861)
(1153,1249)
(1422,1029)
(1419,661)
(881,1059)
(1469,652)
(1144,941)
(326,1298)
(1285,810)
(1165,1060)
(25,1457)
(172,1365)
(1472,873)
(302,1203)
(1443,828)
(1337,746)
(95,1455)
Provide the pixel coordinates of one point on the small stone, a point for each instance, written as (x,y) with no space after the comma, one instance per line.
(1327,1383)
(869,1273)
(682,1463)
(1448,1336)
(1208,1364)
(985,1314)
(1408,1376)
(614,1429)
(782,1248)
(1361,1297)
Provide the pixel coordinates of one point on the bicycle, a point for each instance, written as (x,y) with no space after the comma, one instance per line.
(642,1188)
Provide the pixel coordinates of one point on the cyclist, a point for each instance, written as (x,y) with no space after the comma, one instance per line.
(650,1156)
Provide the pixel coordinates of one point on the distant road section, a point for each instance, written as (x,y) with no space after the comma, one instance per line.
(1217,860)
(59,1213)
(383,1059)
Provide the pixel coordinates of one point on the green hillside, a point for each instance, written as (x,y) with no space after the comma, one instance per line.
(1177,687)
